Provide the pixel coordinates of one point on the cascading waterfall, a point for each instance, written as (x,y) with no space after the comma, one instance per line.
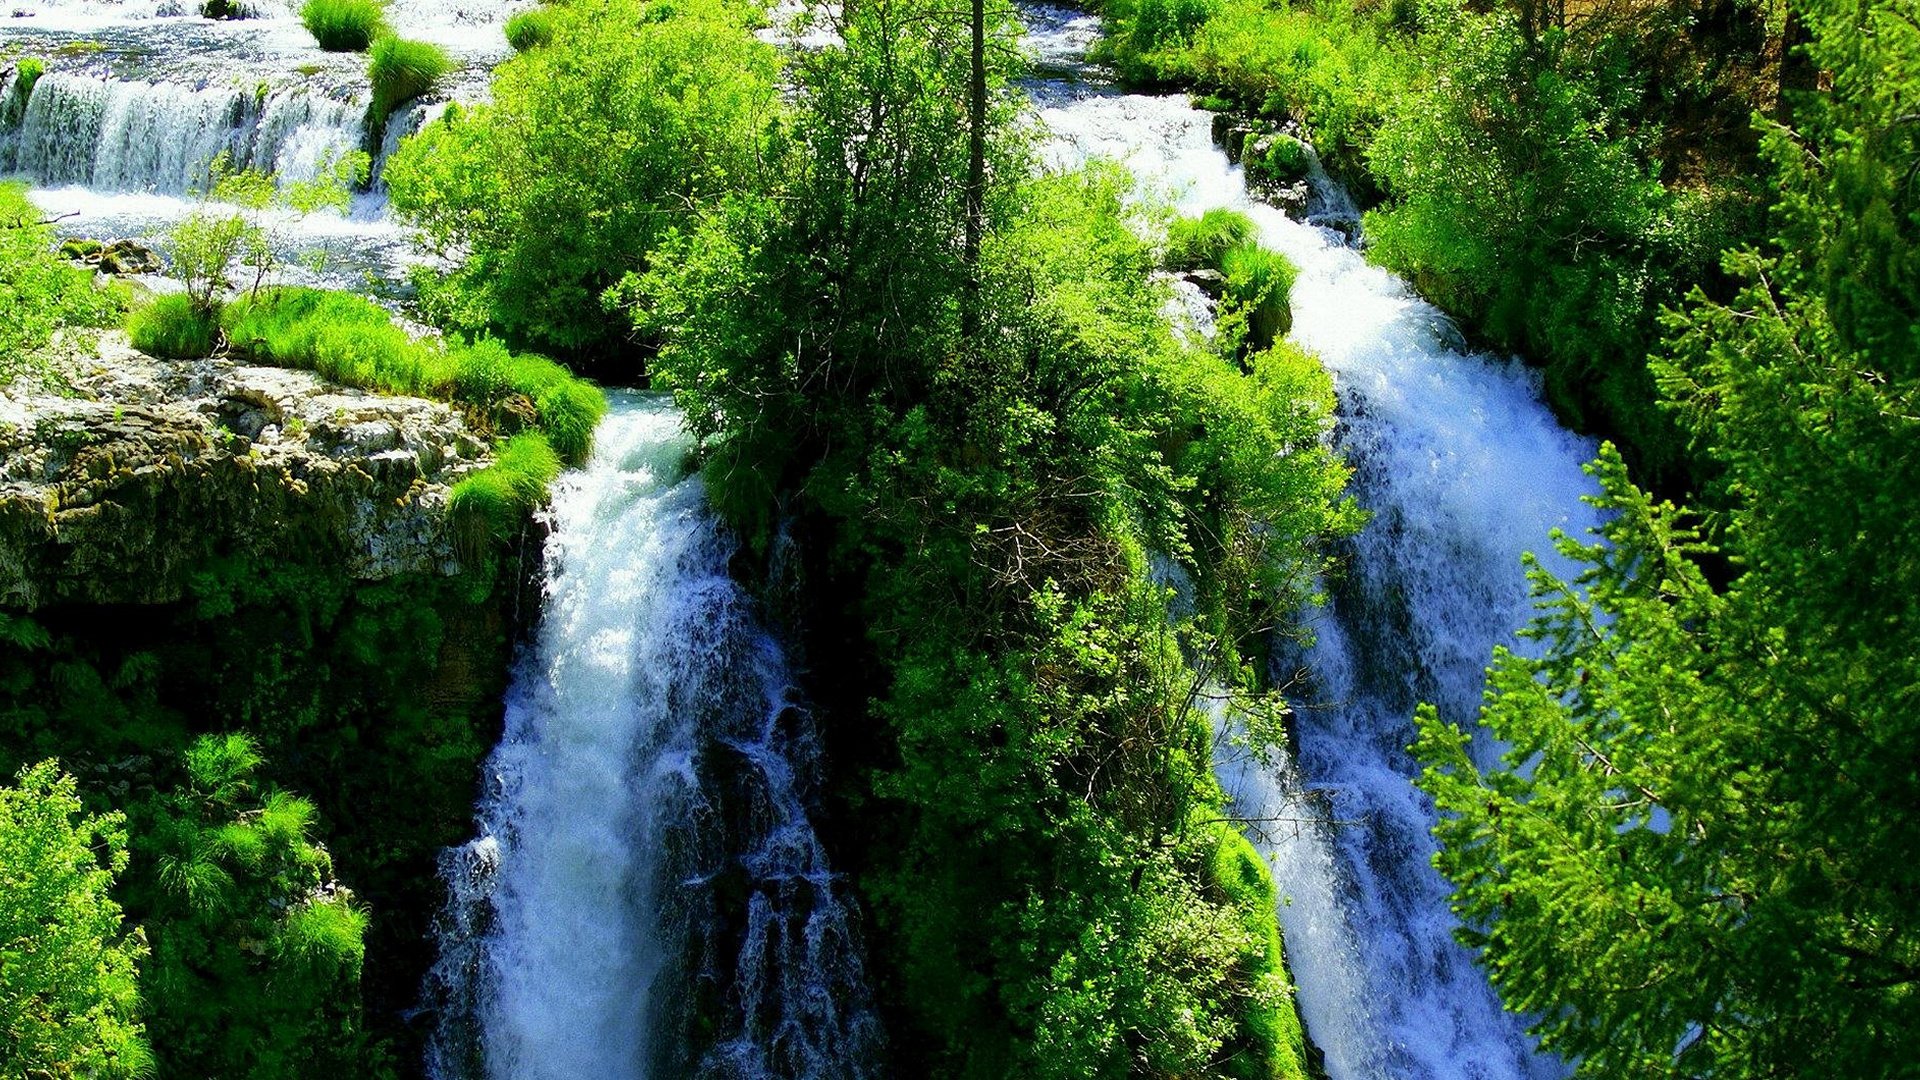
(159,137)
(1464,470)
(645,864)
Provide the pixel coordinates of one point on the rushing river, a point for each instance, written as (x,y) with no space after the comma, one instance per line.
(1464,469)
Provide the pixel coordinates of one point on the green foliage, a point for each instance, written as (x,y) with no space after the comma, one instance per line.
(402,70)
(40,295)
(1203,242)
(352,340)
(228,229)
(256,951)
(592,150)
(68,1001)
(1036,868)
(496,501)
(344,25)
(530,29)
(1693,860)
(1257,309)
(174,327)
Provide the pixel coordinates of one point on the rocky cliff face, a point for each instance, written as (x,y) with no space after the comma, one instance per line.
(120,488)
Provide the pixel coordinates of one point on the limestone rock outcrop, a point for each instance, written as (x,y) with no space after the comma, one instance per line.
(120,486)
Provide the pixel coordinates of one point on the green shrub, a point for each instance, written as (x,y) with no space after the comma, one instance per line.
(344,25)
(588,154)
(174,328)
(402,70)
(41,295)
(1202,242)
(530,29)
(1257,309)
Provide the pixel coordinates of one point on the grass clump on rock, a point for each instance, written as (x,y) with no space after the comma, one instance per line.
(530,29)
(1257,309)
(402,70)
(174,328)
(1203,242)
(344,25)
(351,340)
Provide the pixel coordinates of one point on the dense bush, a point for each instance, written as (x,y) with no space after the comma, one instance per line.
(402,70)
(174,327)
(530,29)
(376,700)
(257,952)
(344,25)
(591,151)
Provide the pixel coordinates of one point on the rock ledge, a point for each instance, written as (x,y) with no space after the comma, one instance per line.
(148,470)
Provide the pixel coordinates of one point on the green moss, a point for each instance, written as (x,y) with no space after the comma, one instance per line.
(172,327)
(530,29)
(344,25)
(1274,1043)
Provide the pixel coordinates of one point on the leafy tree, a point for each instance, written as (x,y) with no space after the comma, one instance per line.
(68,999)
(1696,858)
(635,114)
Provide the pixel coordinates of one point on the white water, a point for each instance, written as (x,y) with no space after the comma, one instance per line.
(140,95)
(646,796)
(1464,469)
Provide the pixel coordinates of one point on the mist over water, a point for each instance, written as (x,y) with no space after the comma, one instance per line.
(1464,469)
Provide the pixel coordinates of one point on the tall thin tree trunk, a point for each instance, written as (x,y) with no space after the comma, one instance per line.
(976,196)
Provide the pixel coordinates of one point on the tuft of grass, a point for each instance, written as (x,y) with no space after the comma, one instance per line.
(403,70)
(1203,242)
(343,337)
(486,376)
(171,327)
(1258,305)
(530,29)
(491,504)
(344,25)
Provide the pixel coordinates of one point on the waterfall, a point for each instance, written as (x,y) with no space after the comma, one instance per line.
(113,135)
(1464,469)
(645,865)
